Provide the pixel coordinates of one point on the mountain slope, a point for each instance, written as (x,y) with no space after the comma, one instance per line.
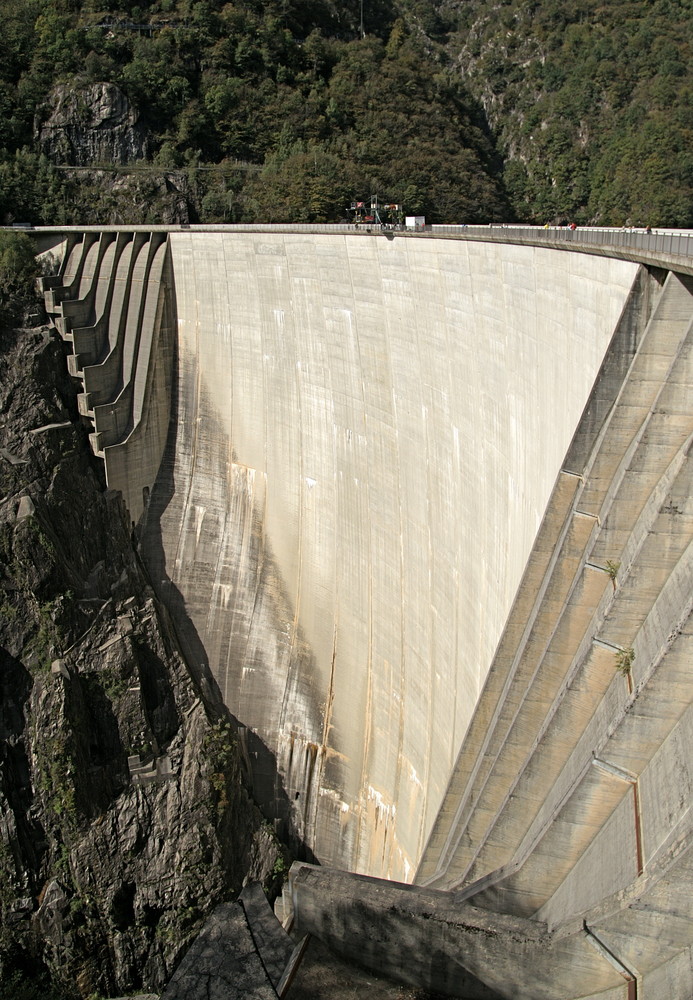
(285,111)
(590,102)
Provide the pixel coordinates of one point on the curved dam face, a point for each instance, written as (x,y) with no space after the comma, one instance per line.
(367,432)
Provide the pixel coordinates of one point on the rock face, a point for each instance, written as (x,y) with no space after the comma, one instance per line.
(93,127)
(90,124)
(123,814)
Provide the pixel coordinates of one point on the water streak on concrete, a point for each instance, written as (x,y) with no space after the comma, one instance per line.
(368,433)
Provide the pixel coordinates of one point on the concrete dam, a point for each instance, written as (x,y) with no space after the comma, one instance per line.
(420,506)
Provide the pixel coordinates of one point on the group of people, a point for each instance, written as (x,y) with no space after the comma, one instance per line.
(571,225)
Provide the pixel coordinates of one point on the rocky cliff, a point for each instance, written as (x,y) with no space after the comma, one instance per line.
(123,813)
(94,134)
(89,124)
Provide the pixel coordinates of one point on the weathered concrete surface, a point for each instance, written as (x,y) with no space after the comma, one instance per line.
(242,952)
(554,704)
(377,445)
(114,302)
(639,946)
(423,937)
(222,963)
(368,432)
(273,944)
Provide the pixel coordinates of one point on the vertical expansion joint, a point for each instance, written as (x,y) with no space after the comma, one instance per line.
(639,853)
(628,974)
(631,779)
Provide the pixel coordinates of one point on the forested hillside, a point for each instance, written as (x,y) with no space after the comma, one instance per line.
(279,110)
(591,102)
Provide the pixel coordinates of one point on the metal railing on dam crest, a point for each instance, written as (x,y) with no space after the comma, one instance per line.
(668,247)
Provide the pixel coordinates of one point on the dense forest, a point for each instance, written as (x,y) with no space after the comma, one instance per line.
(285,110)
(590,102)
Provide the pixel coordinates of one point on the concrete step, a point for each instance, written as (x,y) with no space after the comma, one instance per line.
(473,764)
(648,602)
(273,944)
(658,352)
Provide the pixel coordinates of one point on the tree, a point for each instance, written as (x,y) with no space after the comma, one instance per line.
(17,274)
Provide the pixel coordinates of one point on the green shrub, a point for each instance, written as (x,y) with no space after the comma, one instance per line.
(624,660)
(17,273)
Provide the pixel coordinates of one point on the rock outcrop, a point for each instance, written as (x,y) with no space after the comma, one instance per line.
(123,815)
(95,130)
(91,123)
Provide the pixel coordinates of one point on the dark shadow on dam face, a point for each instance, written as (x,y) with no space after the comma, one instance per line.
(266,786)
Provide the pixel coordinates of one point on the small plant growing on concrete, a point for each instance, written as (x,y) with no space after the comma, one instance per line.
(612,569)
(624,660)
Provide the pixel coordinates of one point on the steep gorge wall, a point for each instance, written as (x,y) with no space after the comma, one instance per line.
(367,432)
(124,816)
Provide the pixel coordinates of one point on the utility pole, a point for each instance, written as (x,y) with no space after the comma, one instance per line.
(363,33)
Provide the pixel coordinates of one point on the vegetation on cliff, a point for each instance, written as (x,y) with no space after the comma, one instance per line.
(591,103)
(18,268)
(261,110)
(293,110)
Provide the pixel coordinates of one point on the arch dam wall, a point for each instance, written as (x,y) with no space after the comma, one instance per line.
(420,499)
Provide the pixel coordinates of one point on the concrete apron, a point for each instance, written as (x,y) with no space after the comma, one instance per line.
(422,937)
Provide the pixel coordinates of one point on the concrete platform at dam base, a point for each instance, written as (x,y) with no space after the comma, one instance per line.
(421,508)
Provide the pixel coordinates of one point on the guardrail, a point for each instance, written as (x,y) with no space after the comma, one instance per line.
(668,247)
(656,242)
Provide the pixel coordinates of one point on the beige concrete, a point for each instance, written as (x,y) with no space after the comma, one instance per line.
(571,799)
(422,937)
(643,446)
(368,434)
(134,457)
(112,301)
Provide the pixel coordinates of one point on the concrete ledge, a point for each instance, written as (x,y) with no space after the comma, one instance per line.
(273,944)
(421,937)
